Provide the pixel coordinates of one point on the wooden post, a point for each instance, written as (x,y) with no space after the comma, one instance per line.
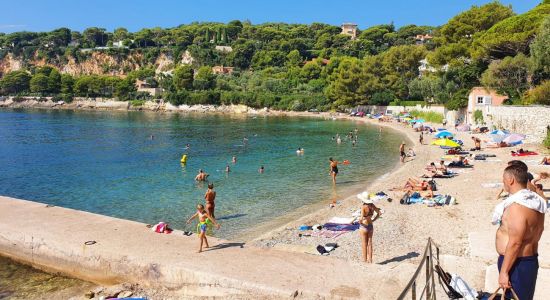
(428,293)
(414,290)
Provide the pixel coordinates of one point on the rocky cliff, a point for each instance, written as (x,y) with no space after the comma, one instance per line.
(96,63)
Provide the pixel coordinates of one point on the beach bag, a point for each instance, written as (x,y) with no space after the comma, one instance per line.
(502,296)
(433,185)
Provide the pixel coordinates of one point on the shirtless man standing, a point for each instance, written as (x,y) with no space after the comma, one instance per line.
(209,197)
(519,233)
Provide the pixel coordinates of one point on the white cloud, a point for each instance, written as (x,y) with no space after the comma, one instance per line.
(4,26)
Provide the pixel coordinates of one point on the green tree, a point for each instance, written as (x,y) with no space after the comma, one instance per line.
(539,95)
(512,35)
(242,54)
(39,84)
(125,89)
(183,78)
(120,34)
(95,37)
(67,83)
(205,79)
(294,59)
(15,82)
(54,82)
(478,18)
(540,50)
(509,76)
(348,83)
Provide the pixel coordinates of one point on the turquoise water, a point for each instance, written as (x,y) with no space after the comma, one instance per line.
(106,163)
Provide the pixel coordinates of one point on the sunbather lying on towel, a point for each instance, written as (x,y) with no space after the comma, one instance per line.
(545,161)
(414,185)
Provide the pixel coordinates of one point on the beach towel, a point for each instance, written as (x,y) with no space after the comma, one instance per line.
(328,233)
(161,227)
(342,220)
(523,197)
(525,153)
(340,227)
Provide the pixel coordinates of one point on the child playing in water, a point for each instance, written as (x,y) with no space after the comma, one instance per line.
(203,216)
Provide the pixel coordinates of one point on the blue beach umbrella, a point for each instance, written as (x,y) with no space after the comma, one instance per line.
(499,132)
(443,134)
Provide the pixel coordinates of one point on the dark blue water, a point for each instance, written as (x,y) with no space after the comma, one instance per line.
(105,162)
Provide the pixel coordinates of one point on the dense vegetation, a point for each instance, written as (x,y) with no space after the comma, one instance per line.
(299,67)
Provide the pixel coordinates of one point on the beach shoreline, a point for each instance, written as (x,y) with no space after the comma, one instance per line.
(261,229)
(403,230)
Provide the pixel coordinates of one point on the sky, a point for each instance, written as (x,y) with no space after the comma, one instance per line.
(46,15)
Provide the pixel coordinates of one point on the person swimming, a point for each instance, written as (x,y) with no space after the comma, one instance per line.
(187,147)
(234,159)
(300,151)
(227,169)
(201,176)
(202,226)
(333,169)
(261,170)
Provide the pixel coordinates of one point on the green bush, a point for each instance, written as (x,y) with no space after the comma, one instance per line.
(478,116)
(137,102)
(406,103)
(429,116)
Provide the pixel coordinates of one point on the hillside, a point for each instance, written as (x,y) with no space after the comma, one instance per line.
(289,66)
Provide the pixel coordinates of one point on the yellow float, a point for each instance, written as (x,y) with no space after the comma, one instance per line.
(184,159)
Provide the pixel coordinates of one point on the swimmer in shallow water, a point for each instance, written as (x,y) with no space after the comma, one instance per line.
(333,169)
(261,170)
(234,159)
(227,169)
(201,176)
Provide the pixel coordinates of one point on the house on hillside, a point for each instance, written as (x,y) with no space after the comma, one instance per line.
(422,38)
(481,98)
(222,70)
(323,61)
(425,68)
(224,49)
(143,86)
(349,29)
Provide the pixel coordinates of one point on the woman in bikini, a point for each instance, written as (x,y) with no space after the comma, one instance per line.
(366,228)
(203,216)
(333,169)
(210,197)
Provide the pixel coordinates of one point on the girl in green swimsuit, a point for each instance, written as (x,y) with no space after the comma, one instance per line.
(204,217)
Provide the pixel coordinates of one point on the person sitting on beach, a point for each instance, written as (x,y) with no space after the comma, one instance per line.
(366,227)
(210,197)
(201,176)
(411,153)
(545,161)
(477,144)
(333,169)
(441,167)
(402,153)
(203,217)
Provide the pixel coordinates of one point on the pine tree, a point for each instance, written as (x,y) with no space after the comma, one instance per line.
(207,35)
(224,36)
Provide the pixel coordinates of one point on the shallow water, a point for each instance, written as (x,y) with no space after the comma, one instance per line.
(19,281)
(106,163)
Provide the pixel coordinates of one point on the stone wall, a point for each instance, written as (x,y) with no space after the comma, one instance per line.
(532,121)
